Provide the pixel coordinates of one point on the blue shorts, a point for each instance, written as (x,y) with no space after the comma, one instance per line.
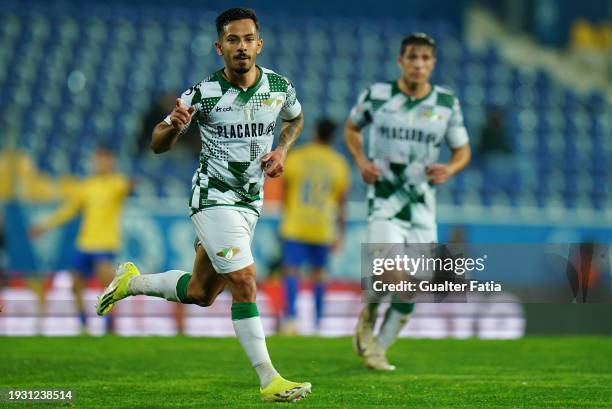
(297,254)
(84,262)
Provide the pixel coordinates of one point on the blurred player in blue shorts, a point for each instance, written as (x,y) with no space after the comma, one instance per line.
(99,199)
(316,181)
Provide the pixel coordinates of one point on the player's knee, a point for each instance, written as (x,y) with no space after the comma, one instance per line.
(243,285)
(247,282)
(244,277)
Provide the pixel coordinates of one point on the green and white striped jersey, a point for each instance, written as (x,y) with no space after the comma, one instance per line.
(237,130)
(405,135)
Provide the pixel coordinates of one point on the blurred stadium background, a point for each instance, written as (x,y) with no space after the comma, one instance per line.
(534,79)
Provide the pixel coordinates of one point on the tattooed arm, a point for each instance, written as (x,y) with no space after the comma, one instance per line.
(273,162)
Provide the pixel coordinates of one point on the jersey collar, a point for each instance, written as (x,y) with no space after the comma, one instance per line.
(410,101)
(226,84)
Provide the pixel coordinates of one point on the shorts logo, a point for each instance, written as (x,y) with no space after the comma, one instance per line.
(228,253)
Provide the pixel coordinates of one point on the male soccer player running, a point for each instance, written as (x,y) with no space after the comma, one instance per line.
(409,118)
(316,180)
(100,199)
(236,110)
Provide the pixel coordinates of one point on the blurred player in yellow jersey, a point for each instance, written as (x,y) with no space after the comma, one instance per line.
(316,181)
(99,199)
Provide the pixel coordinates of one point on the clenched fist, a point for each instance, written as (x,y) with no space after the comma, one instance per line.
(180,115)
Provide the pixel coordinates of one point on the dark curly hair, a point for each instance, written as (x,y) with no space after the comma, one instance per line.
(234,14)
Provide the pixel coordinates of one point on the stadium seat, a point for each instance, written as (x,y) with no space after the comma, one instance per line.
(86,59)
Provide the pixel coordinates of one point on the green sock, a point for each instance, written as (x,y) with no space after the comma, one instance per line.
(244,310)
(403,307)
(181,289)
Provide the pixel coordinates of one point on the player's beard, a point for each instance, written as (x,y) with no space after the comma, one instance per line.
(243,69)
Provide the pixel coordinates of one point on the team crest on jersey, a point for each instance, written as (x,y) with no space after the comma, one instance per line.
(273,102)
(428,113)
(228,253)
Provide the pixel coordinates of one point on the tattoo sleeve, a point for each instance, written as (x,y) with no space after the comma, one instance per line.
(290,130)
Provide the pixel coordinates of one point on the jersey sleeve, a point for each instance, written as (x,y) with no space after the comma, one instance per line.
(187,99)
(456,134)
(68,210)
(291,107)
(361,113)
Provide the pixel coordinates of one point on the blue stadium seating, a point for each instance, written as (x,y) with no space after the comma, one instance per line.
(76,76)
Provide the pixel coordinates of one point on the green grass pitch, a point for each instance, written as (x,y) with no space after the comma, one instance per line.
(185,372)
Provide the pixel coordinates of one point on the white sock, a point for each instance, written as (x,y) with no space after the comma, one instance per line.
(161,285)
(391,327)
(266,373)
(250,333)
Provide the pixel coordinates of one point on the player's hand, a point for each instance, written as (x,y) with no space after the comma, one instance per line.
(438,173)
(180,115)
(273,163)
(36,231)
(369,172)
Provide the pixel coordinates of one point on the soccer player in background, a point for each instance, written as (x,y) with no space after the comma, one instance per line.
(99,198)
(236,109)
(316,180)
(409,118)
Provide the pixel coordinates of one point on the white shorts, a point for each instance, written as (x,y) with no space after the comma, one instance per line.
(396,232)
(389,238)
(226,235)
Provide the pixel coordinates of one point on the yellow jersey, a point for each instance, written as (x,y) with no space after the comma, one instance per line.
(316,180)
(100,199)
